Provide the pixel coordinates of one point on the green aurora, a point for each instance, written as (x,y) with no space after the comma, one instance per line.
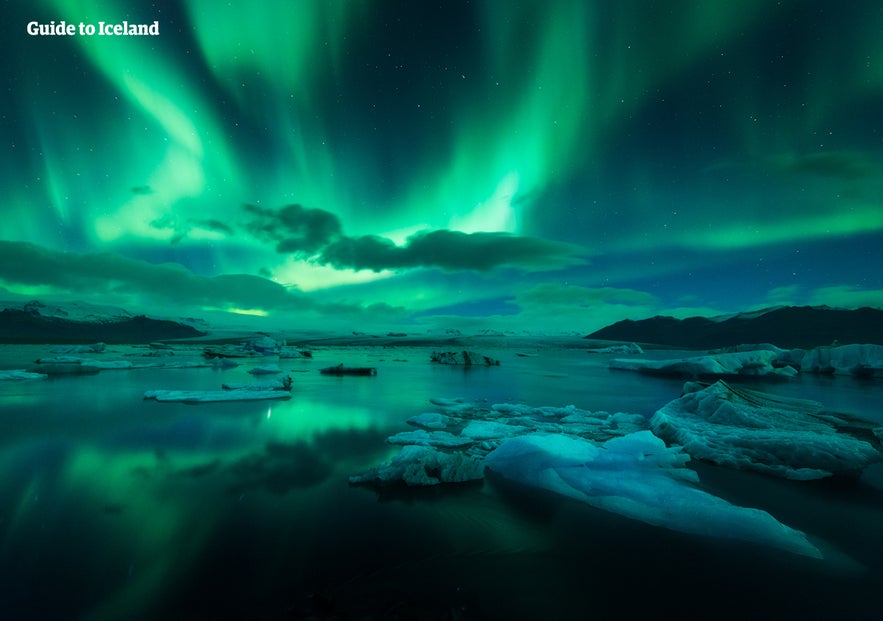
(536,165)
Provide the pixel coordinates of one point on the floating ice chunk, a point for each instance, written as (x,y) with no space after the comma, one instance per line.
(421,466)
(747,363)
(631,348)
(16,375)
(430,420)
(269,369)
(342,370)
(62,360)
(857,360)
(214,396)
(422,437)
(746,429)
(224,363)
(639,477)
(489,429)
(295,353)
(466,358)
(76,365)
(282,383)
(78,349)
(107,365)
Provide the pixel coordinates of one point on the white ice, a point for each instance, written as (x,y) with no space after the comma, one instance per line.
(746,363)
(746,429)
(858,360)
(214,396)
(639,477)
(421,466)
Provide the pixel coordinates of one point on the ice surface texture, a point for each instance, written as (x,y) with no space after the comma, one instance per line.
(746,429)
(639,477)
(466,358)
(857,360)
(745,363)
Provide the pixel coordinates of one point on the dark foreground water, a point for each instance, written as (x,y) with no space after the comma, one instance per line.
(112,507)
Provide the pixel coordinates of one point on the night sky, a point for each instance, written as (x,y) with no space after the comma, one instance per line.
(547,165)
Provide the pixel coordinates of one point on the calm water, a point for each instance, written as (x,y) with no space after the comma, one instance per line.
(112,507)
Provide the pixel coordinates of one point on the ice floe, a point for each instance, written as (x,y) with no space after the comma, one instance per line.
(475,429)
(464,357)
(610,461)
(269,369)
(282,383)
(639,477)
(735,364)
(340,369)
(422,466)
(430,420)
(16,375)
(631,348)
(78,349)
(214,396)
(747,429)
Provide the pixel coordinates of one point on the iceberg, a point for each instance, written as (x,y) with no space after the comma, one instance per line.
(17,375)
(95,348)
(283,383)
(74,365)
(637,476)
(747,429)
(214,396)
(269,369)
(631,348)
(430,420)
(856,360)
(422,466)
(421,437)
(464,358)
(473,430)
(734,364)
(342,370)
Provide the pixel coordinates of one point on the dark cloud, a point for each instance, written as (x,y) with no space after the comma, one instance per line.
(212,225)
(180,230)
(449,250)
(294,228)
(24,263)
(318,233)
(29,264)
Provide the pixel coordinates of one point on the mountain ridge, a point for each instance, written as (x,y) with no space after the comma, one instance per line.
(27,324)
(785,326)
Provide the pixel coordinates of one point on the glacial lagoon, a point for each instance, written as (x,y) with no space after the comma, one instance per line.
(117,507)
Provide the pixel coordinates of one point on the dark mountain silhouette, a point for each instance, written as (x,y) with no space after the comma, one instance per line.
(23,326)
(788,327)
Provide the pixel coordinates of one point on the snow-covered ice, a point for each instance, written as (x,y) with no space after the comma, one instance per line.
(856,360)
(639,477)
(631,348)
(743,363)
(746,429)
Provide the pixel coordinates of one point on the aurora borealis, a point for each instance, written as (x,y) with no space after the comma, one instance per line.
(529,166)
